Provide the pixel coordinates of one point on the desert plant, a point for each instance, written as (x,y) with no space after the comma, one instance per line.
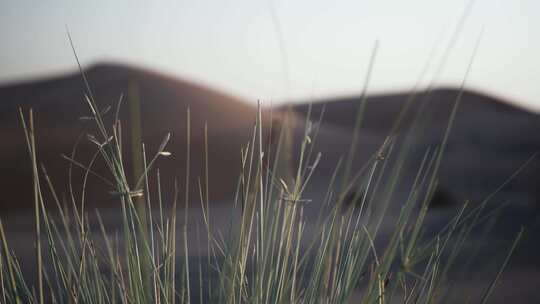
(272,254)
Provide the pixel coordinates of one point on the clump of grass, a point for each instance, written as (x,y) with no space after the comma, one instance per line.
(273,253)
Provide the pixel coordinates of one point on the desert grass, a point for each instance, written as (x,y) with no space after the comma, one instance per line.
(267,256)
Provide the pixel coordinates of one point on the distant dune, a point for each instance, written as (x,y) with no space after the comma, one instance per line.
(58,104)
(489,141)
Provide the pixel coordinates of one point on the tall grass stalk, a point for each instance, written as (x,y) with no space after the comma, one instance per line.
(272,253)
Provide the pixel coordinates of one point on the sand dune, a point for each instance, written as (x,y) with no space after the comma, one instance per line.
(488,142)
(58,104)
(490,138)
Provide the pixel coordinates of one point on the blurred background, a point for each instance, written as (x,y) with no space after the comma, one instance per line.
(218,58)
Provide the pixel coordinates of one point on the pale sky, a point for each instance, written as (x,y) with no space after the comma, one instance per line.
(233,45)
